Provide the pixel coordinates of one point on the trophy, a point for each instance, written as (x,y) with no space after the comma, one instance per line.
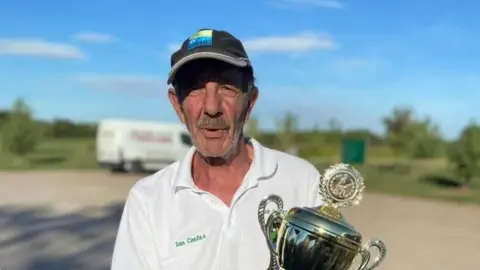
(320,238)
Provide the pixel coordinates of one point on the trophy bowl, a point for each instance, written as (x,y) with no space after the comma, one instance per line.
(320,238)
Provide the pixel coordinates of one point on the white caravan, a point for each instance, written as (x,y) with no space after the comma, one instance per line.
(136,146)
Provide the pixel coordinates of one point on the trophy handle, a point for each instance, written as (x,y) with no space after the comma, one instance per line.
(266,226)
(366,254)
(277,200)
(274,218)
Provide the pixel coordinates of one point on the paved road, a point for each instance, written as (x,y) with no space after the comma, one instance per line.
(68,220)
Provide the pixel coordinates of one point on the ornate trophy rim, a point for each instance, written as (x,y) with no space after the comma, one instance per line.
(328,188)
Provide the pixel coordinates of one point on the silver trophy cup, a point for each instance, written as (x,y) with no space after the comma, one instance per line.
(320,238)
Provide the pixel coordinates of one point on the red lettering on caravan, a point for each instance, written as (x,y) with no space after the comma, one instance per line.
(148,136)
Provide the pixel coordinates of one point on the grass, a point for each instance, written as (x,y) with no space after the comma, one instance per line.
(54,154)
(431,179)
(421,181)
(383,174)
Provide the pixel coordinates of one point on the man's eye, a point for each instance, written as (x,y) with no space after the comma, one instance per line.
(195,92)
(228,90)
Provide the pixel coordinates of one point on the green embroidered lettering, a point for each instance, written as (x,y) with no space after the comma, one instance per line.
(190,240)
(179,243)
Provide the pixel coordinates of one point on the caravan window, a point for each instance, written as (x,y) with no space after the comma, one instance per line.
(186,139)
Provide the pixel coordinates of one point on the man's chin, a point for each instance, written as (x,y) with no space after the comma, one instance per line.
(214,153)
(214,149)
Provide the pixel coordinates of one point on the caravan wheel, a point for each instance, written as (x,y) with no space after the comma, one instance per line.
(116,169)
(134,166)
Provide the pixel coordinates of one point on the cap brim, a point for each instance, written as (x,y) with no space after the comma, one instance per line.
(206,55)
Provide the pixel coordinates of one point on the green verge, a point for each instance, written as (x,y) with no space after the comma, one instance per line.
(431,179)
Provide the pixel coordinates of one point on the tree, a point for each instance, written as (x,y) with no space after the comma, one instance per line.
(425,139)
(464,154)
(287,129)
(413,137)
(311,143)
(334,133)
(20,133)
(252,129)
(396,126)
(3,118)
(372,138)
(334,125)
(401,117)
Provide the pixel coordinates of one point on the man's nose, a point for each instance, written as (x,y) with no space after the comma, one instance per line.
(212,101)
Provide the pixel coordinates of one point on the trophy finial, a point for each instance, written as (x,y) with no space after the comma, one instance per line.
(341,185)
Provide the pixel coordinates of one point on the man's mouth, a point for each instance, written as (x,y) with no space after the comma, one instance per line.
(213,133)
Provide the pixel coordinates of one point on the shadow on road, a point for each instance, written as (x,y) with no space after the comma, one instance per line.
(37,239)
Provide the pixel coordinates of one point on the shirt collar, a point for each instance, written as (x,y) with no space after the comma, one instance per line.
(264,166)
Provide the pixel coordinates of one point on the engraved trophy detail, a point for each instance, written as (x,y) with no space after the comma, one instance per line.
(320,238)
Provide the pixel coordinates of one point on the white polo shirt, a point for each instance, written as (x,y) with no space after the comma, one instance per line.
(169,224)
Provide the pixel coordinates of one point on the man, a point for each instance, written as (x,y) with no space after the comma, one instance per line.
(201,212)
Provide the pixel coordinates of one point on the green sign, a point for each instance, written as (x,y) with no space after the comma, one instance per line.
(353,151)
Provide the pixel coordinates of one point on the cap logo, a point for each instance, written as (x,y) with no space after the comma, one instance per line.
(199,39)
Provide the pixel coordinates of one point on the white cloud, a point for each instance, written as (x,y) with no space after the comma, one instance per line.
(333,4)
(93,37)
(293,45)
(39,48)
(139,86)
(301,42)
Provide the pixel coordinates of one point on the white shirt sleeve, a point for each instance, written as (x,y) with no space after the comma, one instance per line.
(134,245)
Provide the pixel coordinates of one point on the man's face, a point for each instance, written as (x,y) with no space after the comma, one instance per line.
(212,99)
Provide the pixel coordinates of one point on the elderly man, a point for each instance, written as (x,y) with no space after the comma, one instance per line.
(201,212)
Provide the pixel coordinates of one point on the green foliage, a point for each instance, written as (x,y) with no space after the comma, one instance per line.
(426,140)
(64,128)
(287,127)
(252,128)
(334,125)
(3,118)
(20,133)
(311,144)
(396,126)
(74,154)
(408,179)
(389,168)
(371,138)
(465,154)
(413,137)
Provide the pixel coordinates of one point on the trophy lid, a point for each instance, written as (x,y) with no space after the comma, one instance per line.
(340,186)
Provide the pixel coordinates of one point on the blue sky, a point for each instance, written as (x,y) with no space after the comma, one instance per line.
(352,60)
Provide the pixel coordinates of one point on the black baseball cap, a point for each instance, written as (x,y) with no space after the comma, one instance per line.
(209,44)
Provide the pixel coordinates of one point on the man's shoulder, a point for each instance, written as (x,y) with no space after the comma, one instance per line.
(158,182)
(297,177)
(286,159)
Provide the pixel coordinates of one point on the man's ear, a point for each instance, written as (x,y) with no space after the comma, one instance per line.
(177,105)
(253,99)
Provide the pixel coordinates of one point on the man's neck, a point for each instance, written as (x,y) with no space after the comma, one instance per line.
(222,178)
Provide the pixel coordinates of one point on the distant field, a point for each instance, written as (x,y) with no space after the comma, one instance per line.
(55,154)
(383,173)
(433,179)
